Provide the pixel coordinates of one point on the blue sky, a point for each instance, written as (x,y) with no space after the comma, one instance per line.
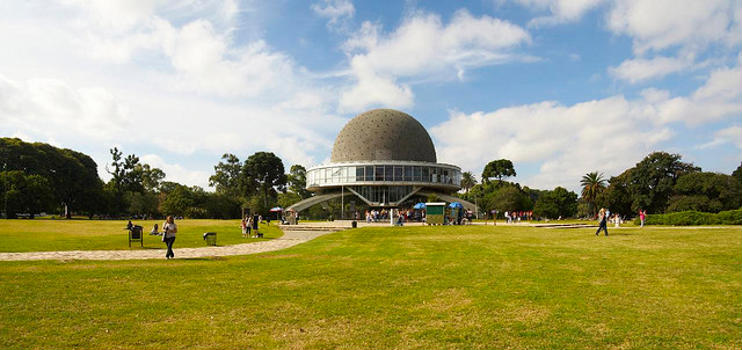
(560,87)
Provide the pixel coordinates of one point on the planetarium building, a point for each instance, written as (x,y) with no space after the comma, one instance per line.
(385,158)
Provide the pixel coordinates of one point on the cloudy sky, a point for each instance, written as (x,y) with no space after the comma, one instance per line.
(560,87)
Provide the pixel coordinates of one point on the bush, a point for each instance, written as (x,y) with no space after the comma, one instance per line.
(687,218)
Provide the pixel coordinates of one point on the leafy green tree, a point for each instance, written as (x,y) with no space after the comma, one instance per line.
(143,203)
(297,180)
(737,174)
(556,203)
(73,176)
(592,185)
(264,176)
(227,178)
(508,197)
(652,181)
(704,191)
(468,181)
(151,177)
(177,200)
(25,193)
(498,169)
(221,206)
(616,196)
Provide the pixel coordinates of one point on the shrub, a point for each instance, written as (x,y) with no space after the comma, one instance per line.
(687,218)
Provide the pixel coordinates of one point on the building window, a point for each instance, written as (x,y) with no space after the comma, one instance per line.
(369,173)
(379,172)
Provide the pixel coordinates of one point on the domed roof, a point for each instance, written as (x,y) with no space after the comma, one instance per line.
(383,134)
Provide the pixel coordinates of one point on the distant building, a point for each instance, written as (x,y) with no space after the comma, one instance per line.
(385,158)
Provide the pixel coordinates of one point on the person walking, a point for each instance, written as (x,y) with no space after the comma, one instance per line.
(248,225)
(169,229)
(603,224)
(642,217)
(255,223)
(243,226)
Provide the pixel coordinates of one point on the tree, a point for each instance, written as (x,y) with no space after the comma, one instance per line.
(507,198)
(72,176)
(592,185)
(737,174)
(498,169)
(264,176)
(707,192)
(177,200)
(468,181)
(297,180)
(616,196)
(227,176)
(25,193)
(151,177)
(556,203)
(652,180)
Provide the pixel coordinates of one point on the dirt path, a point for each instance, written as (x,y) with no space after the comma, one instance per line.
(289,239)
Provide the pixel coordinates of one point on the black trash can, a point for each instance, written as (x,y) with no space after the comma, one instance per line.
(210,238)
(354,224)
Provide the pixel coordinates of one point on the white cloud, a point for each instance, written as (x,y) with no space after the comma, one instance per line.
(423,46)
(640,69)
(561,11)
(661,24)
(164,77)
(334,10)
(47,106)
(607,135)
(567,141)
(732,134)
(719,97)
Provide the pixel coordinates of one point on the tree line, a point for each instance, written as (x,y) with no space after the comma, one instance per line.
(659,183)
(37,177)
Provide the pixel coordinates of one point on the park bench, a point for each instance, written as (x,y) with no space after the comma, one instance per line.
(135,234)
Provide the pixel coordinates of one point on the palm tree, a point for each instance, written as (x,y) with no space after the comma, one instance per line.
(592,184)
(468,181)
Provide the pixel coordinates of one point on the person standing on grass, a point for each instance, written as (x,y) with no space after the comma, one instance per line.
(169,229)
(255,223)
(248,225)
(642,217)
(243,226)
(603,225)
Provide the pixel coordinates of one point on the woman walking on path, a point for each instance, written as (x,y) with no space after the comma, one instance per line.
(603,218)
(248,225)
(169,229)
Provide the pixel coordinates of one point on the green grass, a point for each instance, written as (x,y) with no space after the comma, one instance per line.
(47,235)
(468,287)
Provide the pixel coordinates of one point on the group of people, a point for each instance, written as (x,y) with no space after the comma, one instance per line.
(604,215)
(511,216)
(251,225)
(400,215)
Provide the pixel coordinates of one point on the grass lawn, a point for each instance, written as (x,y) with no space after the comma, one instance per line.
(46,235)
(411,287)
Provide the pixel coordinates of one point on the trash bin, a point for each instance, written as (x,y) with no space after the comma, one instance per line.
(210,238)
(354,224)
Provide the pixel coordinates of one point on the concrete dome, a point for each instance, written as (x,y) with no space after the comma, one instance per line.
(383,134)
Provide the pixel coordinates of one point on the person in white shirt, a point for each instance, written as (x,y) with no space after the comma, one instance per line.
(169,229)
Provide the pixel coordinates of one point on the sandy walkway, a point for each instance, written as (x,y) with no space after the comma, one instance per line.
(289,239)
